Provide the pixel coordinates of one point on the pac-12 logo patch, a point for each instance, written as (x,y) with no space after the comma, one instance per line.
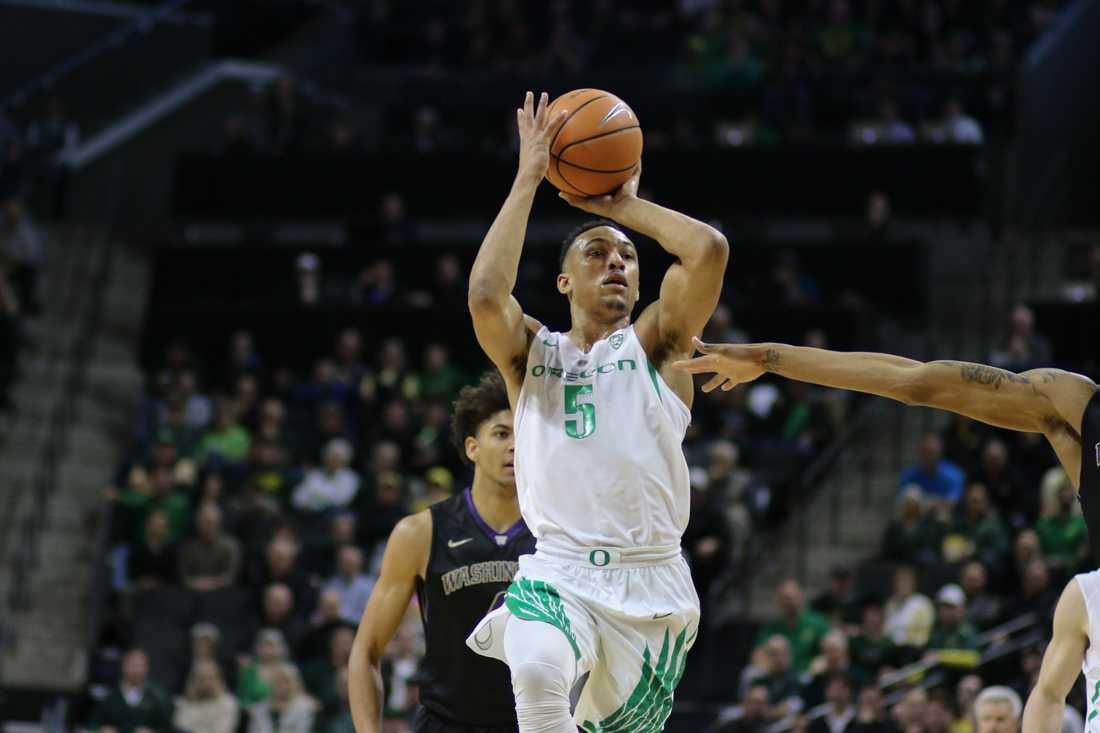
(616,341)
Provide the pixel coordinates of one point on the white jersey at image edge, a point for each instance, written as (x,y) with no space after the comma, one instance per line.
(599,457)
(1089,583)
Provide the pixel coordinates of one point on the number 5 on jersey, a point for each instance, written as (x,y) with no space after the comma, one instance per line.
(585,423)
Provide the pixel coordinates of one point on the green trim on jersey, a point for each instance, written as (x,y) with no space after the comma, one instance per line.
(537,600)
(653,376)
(650,703)
(1092,704)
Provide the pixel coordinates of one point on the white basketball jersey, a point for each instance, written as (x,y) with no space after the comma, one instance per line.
(1090,590)
(599,461)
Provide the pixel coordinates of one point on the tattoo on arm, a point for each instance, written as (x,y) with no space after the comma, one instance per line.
(989,375)
(771,360)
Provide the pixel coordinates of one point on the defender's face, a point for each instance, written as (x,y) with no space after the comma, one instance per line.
(601,272)
(493,450)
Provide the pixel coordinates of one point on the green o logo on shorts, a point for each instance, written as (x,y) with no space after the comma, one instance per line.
(599,558)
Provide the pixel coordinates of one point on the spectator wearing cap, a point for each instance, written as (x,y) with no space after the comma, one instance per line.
(206,706)
(937,478)
(154,562)
(871,649)
(840,715)
(134,703)
(998,710)
(982,607)
(979,533)
(952,630)
(1063,536)
(353,585)
(333,486)
(839,603)
(914,536)
(802,627)
(211,560)
(909,614)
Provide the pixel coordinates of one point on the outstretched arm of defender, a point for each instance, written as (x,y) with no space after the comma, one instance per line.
(498,318)
(405,559)
(1061,664)
(690,289)
(1036,401)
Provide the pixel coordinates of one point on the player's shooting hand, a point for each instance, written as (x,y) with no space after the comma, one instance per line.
(607,206)
(536,128)
(732,364)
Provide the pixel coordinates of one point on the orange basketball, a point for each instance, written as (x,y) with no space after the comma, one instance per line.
(598,145)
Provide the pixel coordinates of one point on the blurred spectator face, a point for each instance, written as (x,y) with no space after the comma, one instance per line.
(212,486)
(204,643)
(911,506)
(395,416)
(283,687)
(1026,547)
(349,347)
(967,692)
(164,481)
(186,383)
(135,668)
(910,711)
(280,558)
(278,603)
(905,582)
(973,579)
(386,457)
(1023,321)
(389,490)
(949,614)
(324,372)
(873,620)
(878,210)
(1036,578)
(208,522)
(248,389)
(755,705)
(834,648)
(337,455)
(777,651)
(840,582)
(493,452)
(977,501)
(838,692)
(790,598)
(392,208)
(156,528)
(930,452)
(225,414)
(870,698)
(994,457)
(207,680)
(448,271)
(272,411)
(350,561)
(328,606)
(435,357)
(330,418)
(723,459)
(164,453)
(392,355)
(342,530)
(340,646)
(996,717)
(267,455)
(937,717)
(241,348)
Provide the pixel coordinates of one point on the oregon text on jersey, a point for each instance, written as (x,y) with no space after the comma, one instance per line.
(539,370)
(491,571)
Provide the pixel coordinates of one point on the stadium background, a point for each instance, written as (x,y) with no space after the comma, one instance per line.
(233,232)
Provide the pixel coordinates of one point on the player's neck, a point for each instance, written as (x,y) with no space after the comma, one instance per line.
(497,504)
(587,328)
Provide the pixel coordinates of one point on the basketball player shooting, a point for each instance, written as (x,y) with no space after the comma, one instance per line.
(1063,406)
(600,416)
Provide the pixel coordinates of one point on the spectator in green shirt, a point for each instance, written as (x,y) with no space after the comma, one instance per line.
(802,627)
(1062,535)
(157,492)
(952,630)
(226,440)
(256,677)
(440,380)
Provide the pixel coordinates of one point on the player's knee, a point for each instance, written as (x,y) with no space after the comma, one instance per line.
(536,681)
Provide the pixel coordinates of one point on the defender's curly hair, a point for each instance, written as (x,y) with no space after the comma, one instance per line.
(475,404)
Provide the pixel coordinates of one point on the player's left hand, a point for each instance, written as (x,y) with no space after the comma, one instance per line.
(606,206)
(732,364)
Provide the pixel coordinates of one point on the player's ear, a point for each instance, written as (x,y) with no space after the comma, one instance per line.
(471,448)
(565,285)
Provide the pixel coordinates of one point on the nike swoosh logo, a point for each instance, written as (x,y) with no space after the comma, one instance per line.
(458,543)
(615,111)
(659,616)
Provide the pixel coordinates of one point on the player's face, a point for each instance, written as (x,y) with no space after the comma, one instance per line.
(601,273)
(493,451)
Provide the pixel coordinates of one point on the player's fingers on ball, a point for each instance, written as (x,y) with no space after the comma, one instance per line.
(700,346)
(713,382)
(729,384)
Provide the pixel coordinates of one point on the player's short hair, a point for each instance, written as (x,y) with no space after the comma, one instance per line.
(475,404)
(571,237)
(1000,694)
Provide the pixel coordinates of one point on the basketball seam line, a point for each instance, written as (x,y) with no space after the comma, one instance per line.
(572,185)
(596,137)
(591,170)
(566,120)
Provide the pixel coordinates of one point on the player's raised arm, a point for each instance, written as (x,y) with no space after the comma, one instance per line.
(1038,401)
(498,318)
(1061,664)
(404,561)
(690,289)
